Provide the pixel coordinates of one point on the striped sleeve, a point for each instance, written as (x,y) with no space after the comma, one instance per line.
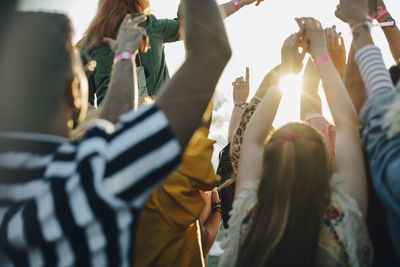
(135,158)
(373,70)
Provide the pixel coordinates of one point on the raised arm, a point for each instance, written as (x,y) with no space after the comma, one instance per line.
(382,152)
(250,162)
(349,157)
(354,83)
(389,28)
(231,7)
(237,140)
(122,96)
(186,96)
(310,102)
(241,88)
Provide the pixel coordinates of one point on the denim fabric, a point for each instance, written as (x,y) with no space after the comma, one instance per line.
(383,157)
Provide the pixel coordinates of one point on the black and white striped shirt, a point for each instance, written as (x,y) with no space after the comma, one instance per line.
(65,204)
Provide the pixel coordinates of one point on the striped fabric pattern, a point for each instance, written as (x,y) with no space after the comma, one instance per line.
(373,70)
(66,204)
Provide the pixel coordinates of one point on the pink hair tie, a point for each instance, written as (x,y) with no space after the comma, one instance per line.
(322,59)
(290,138)
(237,4)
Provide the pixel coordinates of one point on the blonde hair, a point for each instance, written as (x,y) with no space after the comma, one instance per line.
(293,193)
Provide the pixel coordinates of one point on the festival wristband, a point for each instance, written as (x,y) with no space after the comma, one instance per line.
(123,56)
(237,4)
(322,59)
(381,14)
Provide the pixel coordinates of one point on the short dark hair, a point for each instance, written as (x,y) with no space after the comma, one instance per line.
(35,70)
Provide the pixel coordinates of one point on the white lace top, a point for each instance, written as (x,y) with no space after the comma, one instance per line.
(344,239)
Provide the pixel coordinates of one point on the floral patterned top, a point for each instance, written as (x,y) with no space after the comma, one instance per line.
(344,239)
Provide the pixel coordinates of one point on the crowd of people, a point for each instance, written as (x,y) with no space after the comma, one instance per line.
(105,160)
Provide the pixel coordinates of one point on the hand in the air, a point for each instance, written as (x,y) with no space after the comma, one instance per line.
(241,88)
(352,11)
(336,49)
(315,36)
(292,59)
(130,37)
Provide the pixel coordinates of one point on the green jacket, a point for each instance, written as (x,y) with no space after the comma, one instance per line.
(160,31)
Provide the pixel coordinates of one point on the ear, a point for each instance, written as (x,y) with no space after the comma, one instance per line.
(78,99)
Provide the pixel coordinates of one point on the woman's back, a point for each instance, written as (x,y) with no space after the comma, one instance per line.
(343,239)
(160,31)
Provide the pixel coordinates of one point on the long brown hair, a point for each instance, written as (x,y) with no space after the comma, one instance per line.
(292,196)
(110,14)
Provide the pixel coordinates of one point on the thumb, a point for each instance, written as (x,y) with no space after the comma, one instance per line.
(110,42)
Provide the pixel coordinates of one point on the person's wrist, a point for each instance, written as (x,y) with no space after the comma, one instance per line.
(357,19)
(319,52)
(127,48)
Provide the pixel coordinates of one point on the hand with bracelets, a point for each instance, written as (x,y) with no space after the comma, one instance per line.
(209,226)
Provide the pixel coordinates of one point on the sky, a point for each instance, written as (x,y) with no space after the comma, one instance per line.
(256,36)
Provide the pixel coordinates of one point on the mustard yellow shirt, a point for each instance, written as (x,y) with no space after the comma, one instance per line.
(168,232)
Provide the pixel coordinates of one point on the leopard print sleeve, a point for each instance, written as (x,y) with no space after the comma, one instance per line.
(237,139)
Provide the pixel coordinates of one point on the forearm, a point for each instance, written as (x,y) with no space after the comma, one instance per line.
(187,94)
(210,231)
(122,95)
(269,79)
(339,101)
(204,28)
(237,113)
(361,37)
(393,37)
(310,100)
(260,125)
(261,122)
(354,82)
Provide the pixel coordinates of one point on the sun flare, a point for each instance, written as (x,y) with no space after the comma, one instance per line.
(289,109)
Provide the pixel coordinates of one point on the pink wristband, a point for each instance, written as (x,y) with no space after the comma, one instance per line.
(322,59)
(371,19)
(381,14)
(123,56)
(237,4)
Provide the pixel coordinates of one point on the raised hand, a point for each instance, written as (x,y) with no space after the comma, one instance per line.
(292,59)
(352,11)
(315,37)
(336,49)
(130,38)
(241,88)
